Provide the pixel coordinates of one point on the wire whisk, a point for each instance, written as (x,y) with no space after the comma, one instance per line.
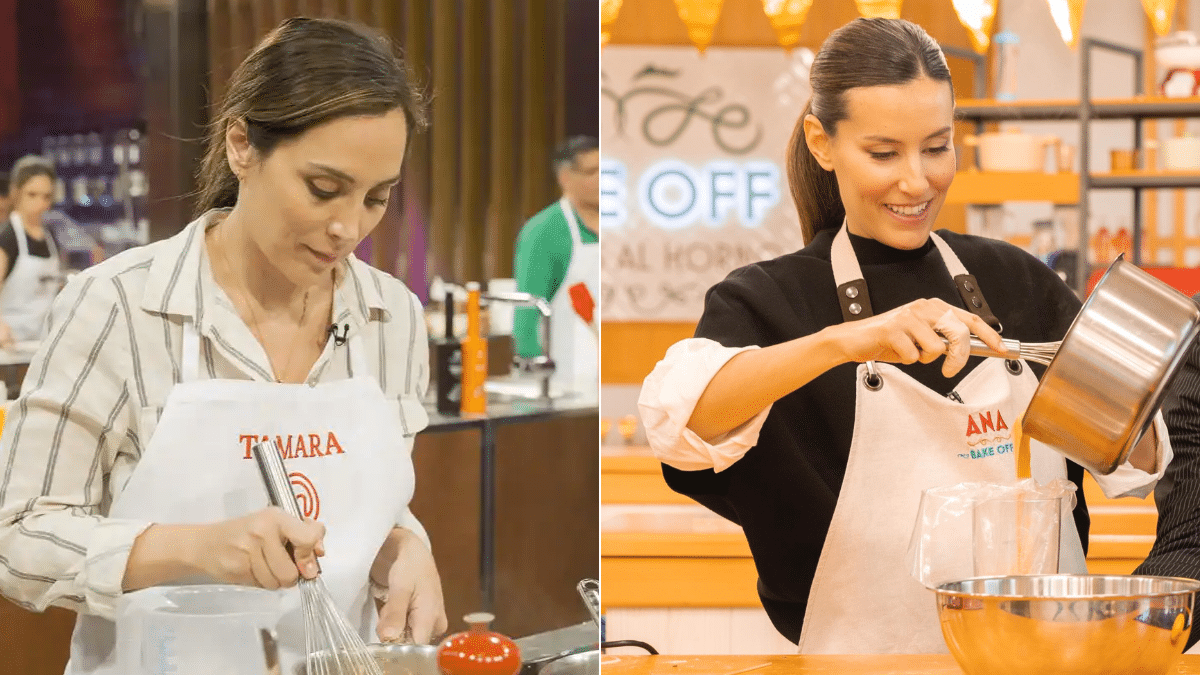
(1035,352)
(334,647)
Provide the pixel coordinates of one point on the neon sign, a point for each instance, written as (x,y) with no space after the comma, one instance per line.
(674,195)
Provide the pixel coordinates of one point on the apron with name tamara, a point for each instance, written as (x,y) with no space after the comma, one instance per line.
(346,454)
(907,438)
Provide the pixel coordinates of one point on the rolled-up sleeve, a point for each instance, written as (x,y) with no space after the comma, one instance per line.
(1128,481)
(73,417)
(668,398)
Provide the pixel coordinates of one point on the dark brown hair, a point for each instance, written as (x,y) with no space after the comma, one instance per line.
(863,53)
(27,168)
(305,73)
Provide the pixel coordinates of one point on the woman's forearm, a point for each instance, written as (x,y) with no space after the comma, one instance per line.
(162,554)
(755,379)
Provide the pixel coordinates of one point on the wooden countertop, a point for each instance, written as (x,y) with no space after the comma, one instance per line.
(893,664)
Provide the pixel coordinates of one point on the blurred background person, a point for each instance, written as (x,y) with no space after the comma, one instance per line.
(29,260)
(558,258)
(5,202)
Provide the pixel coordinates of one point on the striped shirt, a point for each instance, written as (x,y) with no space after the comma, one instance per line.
(97,385)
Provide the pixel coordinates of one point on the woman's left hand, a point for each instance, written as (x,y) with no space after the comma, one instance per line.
(414,603)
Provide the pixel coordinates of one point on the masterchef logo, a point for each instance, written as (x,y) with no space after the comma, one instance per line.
(306,495)
(297,445)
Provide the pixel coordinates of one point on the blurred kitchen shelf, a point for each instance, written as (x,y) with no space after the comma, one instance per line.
(997,187)
(1146,179)
(674,545)
(1138,107)
(677,570)
(679,582)
(632,475)
(1083,111)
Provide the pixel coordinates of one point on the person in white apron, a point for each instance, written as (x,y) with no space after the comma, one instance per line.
(575,342)
(819,398)
(33,281)
(554,261)
(128,457)
(361,491)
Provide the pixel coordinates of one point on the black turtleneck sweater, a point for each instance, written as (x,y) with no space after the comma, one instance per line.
(783,491)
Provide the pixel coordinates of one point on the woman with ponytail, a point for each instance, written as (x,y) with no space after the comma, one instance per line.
(825,389)
(128,457)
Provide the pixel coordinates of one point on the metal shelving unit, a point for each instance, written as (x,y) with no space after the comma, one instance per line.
(1086,110)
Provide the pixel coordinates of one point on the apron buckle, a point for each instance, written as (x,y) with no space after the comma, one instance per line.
(873,380)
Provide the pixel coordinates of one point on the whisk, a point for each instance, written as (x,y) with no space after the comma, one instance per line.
(334,647)
(1036,352)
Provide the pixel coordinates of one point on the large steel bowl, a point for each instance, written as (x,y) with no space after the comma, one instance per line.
(1066,624)
(399,659)
(1100,393)
(581,663)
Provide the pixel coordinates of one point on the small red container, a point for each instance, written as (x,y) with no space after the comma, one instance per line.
(479,651)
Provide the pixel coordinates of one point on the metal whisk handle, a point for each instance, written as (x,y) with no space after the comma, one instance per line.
(589,590)
(1012,349)
(279,486)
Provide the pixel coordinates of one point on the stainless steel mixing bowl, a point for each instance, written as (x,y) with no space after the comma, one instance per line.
(1066,624)
(400,659)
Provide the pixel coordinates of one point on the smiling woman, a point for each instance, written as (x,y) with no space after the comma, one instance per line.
(126,452)
(811,407)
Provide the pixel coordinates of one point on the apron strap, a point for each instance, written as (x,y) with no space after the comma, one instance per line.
(968,286)
(191,352)
(572,223)
(19,230)
(852,289)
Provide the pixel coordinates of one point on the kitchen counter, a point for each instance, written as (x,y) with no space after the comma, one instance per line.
(511,504)
(891,664)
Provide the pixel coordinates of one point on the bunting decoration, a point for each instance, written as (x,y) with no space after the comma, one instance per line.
(1067,15)
(1160,13)
(700,17)
(977,17)
(609,9)
(886,9)
(787,18)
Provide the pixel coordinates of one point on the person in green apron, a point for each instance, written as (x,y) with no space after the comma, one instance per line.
(558,258)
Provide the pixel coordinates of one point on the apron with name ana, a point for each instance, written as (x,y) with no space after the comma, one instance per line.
(345,452)
(907,438)
(30,288)
(574,345)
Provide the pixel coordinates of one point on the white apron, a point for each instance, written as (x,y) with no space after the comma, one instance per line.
(30,289)
(907,438)
(574,345)
(343,446)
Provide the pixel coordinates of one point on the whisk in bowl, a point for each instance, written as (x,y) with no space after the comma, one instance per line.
(334,647)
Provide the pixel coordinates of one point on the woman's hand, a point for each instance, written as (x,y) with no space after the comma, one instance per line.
(7,341)
(414,602)
(914,332)
(251,550)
